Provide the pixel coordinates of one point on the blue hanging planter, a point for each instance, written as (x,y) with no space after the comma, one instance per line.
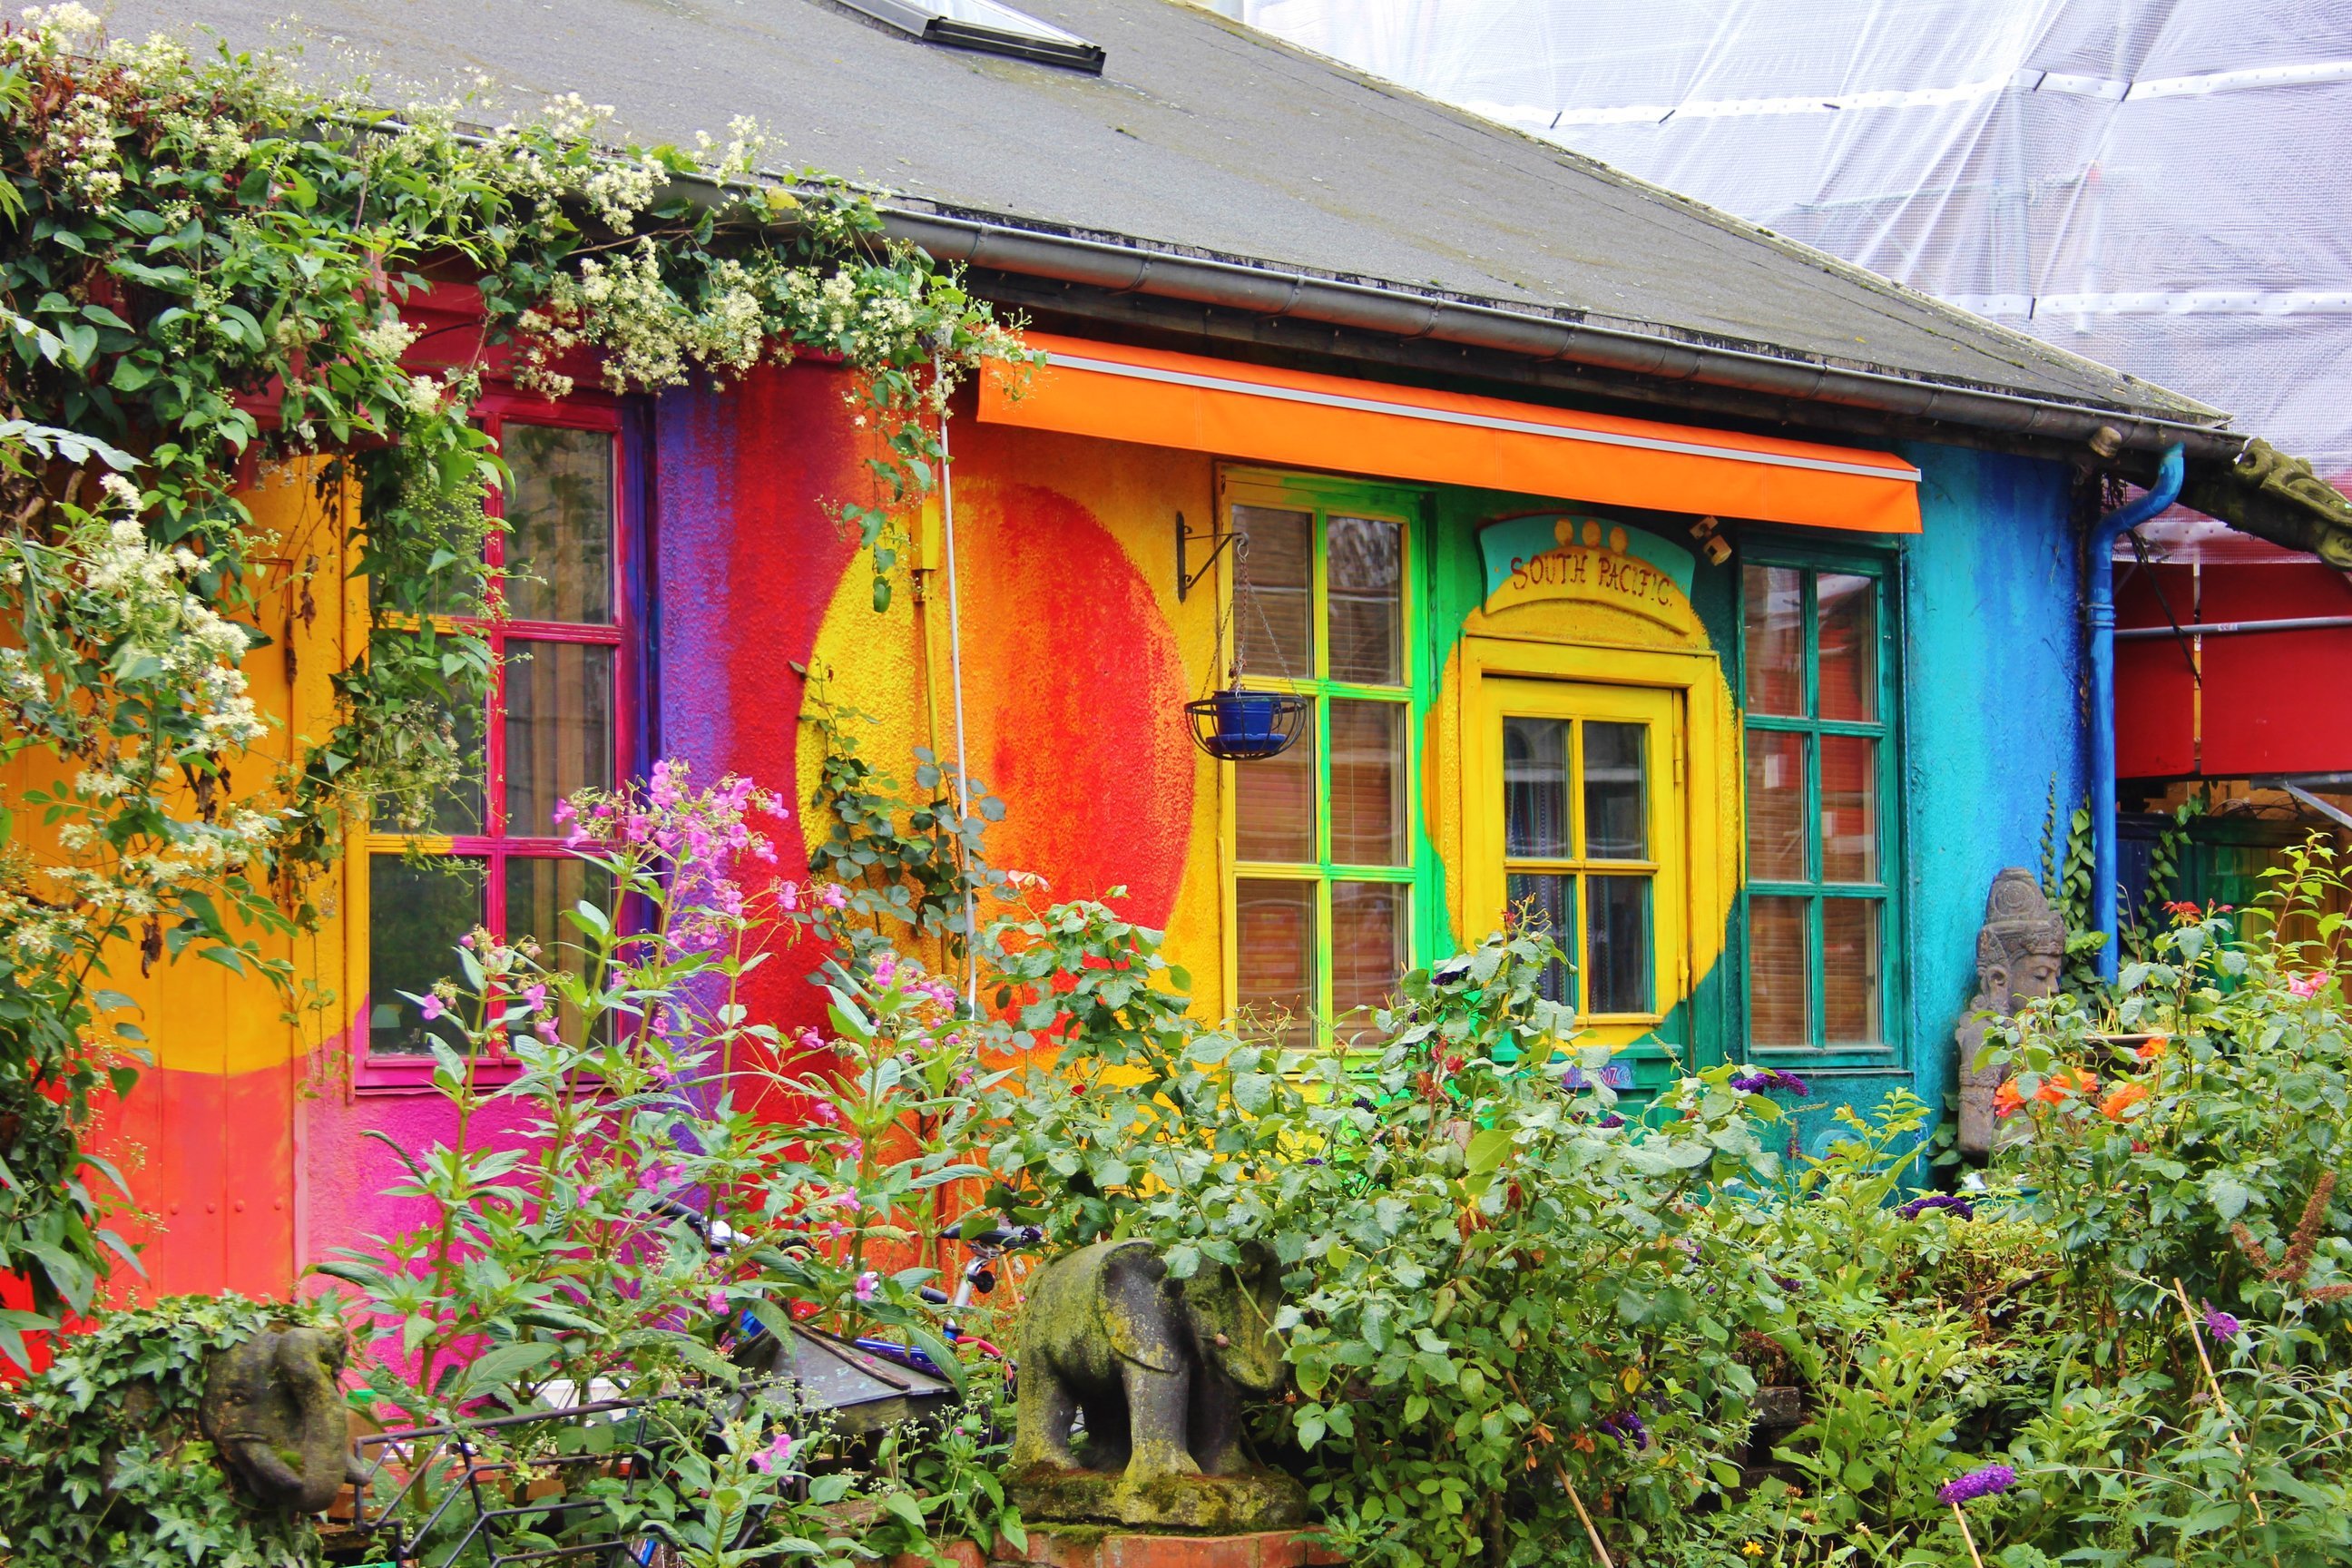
(1238,725)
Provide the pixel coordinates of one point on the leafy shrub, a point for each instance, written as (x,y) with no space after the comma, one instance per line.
(102,1460)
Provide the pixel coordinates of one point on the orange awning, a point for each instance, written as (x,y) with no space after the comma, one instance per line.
(1288,417)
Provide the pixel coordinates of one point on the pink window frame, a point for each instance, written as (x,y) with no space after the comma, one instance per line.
(582,411)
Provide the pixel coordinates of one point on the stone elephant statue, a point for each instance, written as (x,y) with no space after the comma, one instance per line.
(1159,1367)
(273,1408)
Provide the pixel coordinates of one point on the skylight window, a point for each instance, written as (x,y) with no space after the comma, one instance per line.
(986,25)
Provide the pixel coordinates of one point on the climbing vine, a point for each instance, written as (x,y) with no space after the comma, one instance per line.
(102,1458)
(907,869)
(204,265)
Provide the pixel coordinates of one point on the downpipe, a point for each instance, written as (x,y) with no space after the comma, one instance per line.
(2100,592)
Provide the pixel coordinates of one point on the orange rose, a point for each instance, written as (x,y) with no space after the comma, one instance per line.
(2122,1098)
(2006,1101)
(2065,1083)
(2153,1047)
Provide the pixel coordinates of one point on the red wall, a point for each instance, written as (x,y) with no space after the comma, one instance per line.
(2273,702)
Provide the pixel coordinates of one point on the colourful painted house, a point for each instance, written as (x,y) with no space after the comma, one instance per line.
(1721,601)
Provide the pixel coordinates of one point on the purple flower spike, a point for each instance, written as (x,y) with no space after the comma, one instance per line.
(1959,1207)
(1756,1080)
(2223,1326)
(1627,1428)
(1989,1481)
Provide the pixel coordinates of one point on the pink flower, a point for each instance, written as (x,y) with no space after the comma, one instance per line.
(563,813)
(886,969)
(788,895)
(834,896)
(431,1006)
(866,1283)
(848,1200)
(545,1029)
(835,1230)
(823,1111)
(810,1040)
(2307,984)
(717,1302)
(776,1456)
(534,998)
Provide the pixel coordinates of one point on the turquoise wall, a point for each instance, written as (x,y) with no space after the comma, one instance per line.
(1993,712)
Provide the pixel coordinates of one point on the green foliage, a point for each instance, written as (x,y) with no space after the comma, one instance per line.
(117,672)
(102,1460)
(1487,1266)
(2066,880)
(914,872)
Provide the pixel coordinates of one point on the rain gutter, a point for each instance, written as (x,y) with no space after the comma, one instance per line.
(2100,593)
(1271,291)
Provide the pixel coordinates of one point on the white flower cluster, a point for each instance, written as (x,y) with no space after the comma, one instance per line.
(745,142)
(387,337)
(649,334)
(82,139)
(134,595)
(105,585)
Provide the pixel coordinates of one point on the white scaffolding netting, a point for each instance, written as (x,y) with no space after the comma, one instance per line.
(2158,185)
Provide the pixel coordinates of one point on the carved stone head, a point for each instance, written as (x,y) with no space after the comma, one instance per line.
(2021,947)
(273,1407)
(2021,952)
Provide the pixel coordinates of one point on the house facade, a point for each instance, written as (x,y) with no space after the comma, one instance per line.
(1718,604)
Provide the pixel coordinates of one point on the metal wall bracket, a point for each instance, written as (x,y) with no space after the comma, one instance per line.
(1187,581)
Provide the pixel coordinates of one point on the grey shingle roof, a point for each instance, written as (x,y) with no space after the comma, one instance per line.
(1202,136)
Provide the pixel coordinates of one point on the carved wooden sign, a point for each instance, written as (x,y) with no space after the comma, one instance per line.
(1592,560)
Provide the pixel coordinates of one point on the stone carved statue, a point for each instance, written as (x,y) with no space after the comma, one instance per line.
(2021,951)
(1159,1367)
(273,1407)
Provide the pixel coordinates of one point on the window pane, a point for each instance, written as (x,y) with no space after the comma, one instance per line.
(1273,600)
(1274,955)
(1274,803)
(1779,1012)
(1850,972)
(1366,599)
(1547,902)
(558,728)
(1366,948)
(1535,787)
(1616,805)
(1849,809)
(539,891)
(459,808)
(1848,609)
(1772,642)
(1617,947)
(1368,826)
(559,510)
(416,913)
(1776,806)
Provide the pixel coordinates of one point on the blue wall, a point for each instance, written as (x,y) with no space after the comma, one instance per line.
(1992,710)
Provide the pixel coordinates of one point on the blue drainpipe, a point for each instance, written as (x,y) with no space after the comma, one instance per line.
(2102,587)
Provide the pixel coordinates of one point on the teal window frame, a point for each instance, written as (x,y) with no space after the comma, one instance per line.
(1883,566)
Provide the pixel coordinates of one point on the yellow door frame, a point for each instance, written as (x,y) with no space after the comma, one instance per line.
(1691,808)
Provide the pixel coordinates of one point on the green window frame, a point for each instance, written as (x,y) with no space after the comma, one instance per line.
(1326,857)
(1821,925)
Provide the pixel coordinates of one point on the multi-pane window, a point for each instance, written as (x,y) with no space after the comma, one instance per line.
(1322,834)
(1819,746)
(1580,854)
(550,724)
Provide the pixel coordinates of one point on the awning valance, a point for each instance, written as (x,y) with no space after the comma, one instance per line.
(1289,418)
